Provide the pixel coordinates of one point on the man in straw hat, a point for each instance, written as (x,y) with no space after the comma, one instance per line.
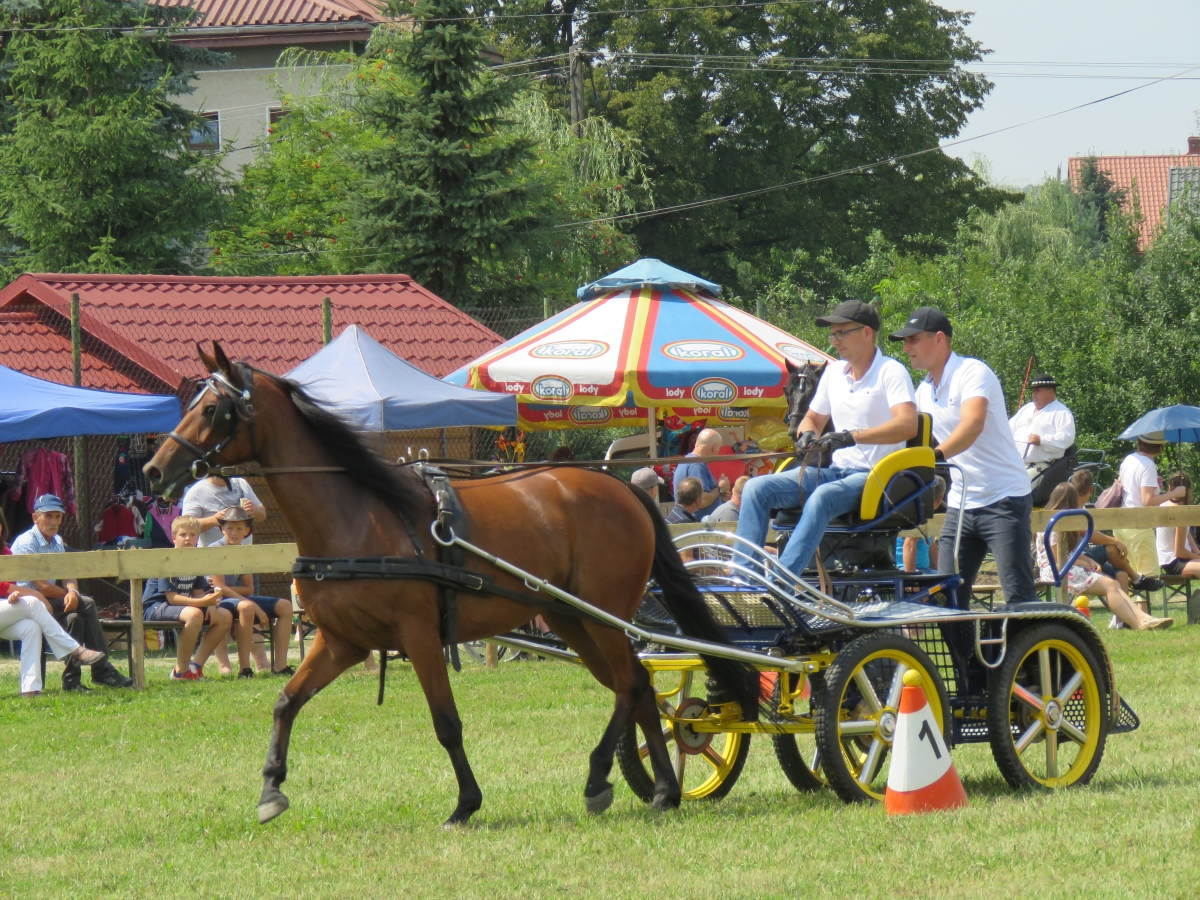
(1142,486)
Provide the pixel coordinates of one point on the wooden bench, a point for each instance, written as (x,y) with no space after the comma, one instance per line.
(1176,588)
(124,628)
(984,594)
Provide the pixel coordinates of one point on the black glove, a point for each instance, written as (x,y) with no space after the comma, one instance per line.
(805,441)
(838,439)
(938,455)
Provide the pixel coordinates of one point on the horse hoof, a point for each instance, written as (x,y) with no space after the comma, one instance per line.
(599,803)
(269,809)
(665,803)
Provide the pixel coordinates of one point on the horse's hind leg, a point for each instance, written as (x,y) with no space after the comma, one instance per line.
(321,666)
(428,661)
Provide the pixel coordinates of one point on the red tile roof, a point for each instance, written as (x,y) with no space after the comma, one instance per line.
(252,13)
(140,331)
(1152,176)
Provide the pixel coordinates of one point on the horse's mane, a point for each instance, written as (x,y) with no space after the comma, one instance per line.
(400,489)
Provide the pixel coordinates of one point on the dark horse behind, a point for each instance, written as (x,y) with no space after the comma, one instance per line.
(581,530)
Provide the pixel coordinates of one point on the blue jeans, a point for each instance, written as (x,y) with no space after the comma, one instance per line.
(1002,529)
(831,492)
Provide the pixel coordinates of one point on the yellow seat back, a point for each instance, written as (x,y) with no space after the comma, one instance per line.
(918,459)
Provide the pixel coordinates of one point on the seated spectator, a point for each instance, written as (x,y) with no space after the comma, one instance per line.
(187,599)
(919,555)
(708,443)
(249,607)
(1177,551)
(728,511)
(1111,553)
(26,618)
(689,496)
(1140,486)
(1085,576)
(648,480)
(74,612)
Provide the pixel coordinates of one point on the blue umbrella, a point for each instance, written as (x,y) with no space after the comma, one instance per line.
(1175,424)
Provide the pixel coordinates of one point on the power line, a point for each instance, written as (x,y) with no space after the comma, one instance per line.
(865,167)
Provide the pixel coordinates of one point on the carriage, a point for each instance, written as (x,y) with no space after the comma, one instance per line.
(1033,680)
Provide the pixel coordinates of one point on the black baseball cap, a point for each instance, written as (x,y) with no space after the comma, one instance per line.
(927,318)
(852,311)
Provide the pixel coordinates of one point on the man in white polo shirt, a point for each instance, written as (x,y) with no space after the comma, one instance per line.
(869,397)
(970,427)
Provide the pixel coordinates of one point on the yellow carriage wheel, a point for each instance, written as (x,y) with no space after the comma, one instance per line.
(1046,710)
(855,714)
(706,764)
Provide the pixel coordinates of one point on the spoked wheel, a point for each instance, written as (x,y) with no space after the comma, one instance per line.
(798,754)
(1046,720)
(855,715)
(706,764)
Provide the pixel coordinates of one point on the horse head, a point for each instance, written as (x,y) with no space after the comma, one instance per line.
(208,435)
(801,386)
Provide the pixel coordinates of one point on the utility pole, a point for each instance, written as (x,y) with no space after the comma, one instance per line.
(578,112)
(82,517)
(326,320)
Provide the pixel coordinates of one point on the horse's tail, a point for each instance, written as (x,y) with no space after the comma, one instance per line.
(686,605)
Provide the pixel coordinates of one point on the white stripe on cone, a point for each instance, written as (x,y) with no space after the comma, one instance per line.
(920,756)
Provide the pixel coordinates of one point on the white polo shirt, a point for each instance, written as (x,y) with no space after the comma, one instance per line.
(862,404)
(1053,423)
(992,466)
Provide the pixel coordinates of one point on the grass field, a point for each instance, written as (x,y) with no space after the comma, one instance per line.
(119,794)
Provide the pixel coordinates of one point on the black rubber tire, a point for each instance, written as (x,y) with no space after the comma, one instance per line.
(1004,750)
(787,750)
(826,711)
(641,780)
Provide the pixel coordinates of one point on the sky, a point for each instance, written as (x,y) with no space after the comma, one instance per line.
(1111,41)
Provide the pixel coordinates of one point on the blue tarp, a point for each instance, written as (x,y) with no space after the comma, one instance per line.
(32,409)
(375,390)
(648,272)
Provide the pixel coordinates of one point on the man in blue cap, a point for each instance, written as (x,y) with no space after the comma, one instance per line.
(75,612)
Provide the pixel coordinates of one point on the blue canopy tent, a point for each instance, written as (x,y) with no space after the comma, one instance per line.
(375,390)
(33,409)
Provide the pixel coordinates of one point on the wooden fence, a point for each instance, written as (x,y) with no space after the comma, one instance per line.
(135,566)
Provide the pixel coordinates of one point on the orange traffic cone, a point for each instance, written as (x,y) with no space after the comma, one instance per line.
(922,776)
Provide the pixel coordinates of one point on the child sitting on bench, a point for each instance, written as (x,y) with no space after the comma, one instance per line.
(249,607)
(187,598)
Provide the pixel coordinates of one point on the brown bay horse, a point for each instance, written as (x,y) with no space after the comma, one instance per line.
(583,531)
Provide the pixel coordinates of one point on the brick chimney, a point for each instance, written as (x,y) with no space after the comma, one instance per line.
(1194,146)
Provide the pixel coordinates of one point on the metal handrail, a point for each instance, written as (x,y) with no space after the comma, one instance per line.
(1075,554)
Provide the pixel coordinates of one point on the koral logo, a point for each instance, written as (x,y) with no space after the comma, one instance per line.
(714,391)
(590,415)
(570,350)
(703,351)
(733,414)
(552,387)
(798,354)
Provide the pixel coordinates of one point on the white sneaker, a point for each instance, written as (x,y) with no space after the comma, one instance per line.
(1116,624)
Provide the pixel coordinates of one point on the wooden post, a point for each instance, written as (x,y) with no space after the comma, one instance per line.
(492,655)
(137,636)
(578,111)
(82,512)
(326,320)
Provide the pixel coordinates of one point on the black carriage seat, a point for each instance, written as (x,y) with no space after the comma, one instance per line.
(899,492)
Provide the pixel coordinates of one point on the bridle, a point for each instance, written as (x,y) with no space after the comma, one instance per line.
(233,407)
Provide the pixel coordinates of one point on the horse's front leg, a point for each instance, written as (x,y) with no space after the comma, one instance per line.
(321,666)
(428,661)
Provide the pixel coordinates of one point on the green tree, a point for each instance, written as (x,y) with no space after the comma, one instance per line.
(292,211)
(743,97)
(1098,194)
(441,193)
(96,170)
